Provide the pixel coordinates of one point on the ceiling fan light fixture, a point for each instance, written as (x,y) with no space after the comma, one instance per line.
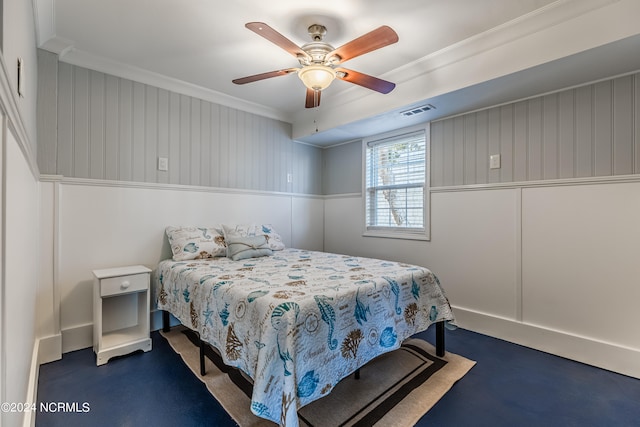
(319,58)
(317,77)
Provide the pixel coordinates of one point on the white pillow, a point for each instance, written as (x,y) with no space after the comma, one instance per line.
(195,242)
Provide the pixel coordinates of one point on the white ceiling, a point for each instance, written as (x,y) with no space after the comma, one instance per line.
(200,46)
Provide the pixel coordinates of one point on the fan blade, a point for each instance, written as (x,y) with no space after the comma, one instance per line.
(262,29)
(313,98)
(365,80)
(373,40)
(263,76)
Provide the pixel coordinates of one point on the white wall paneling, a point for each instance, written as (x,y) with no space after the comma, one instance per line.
(48,299)
(475,249)
(20,278)
(580,261)
(103,224)
(3,291)
(19,251)
(550,265)
(344,225)
(307,223)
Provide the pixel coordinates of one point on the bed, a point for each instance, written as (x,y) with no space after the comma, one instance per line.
(297,322)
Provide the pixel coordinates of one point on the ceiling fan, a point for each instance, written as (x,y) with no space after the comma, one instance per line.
(319,59)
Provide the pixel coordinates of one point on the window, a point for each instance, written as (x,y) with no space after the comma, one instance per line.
(396,184)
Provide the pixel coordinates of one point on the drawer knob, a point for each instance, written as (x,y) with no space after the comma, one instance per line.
(125,284)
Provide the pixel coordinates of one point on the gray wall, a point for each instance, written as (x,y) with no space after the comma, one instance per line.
(94,125)
(583,132)
(589,131)
(343,169)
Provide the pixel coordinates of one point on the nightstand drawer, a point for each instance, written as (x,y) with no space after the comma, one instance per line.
(123,284)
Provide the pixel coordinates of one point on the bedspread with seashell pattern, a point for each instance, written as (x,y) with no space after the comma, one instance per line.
(299,321)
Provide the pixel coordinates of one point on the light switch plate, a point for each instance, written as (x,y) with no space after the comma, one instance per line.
(494,161)
(163,164)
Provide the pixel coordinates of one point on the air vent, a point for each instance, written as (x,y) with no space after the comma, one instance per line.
(417,110)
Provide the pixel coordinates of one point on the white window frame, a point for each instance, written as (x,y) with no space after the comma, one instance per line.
(399,232)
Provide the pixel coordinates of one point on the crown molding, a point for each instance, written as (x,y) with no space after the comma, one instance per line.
(44,12)
(74,56)
(422,78)
(46,38)
(447,70)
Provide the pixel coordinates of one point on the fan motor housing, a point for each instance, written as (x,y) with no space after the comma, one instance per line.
(317,51)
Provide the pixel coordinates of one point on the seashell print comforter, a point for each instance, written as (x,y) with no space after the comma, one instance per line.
(299,321)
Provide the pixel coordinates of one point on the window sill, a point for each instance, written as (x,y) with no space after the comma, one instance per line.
(403,235)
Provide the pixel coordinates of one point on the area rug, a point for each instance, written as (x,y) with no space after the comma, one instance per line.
(395,389)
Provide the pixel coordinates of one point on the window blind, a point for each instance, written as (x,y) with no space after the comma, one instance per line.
(395,182)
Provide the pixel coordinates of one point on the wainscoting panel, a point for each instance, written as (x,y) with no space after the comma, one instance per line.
(473,247)
(549,265)
(102,224)
(19,284)
(580,264)
(307,223)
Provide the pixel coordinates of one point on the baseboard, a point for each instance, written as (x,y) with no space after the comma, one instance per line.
(47,349)
(77,337)
(605,355)
(50,349)
(29,419)
(156,320)
(612,357)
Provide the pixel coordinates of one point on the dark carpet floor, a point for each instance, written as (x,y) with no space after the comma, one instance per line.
(511,385)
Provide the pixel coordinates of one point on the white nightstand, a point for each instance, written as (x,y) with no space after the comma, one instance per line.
(120,311)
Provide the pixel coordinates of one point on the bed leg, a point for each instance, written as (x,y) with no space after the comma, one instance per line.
(202,370)
(440,338)
(165,321)
(356,374)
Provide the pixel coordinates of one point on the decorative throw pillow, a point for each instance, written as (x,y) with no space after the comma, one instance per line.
(273,239)
(195,243)
(242,230)
(239,247)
